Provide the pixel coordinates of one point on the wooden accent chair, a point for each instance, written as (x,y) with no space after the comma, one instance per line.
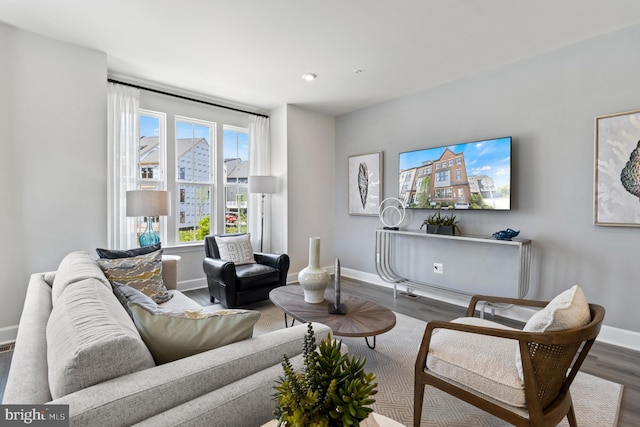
(539,393)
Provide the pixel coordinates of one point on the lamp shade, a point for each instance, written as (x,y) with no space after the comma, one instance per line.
(262,184)
(149,203)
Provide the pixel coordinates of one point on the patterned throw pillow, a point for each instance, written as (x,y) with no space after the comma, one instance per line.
(236,249)
(174,334)
(143,272)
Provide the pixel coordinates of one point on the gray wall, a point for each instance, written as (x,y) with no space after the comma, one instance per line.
(548,104)
(53,144)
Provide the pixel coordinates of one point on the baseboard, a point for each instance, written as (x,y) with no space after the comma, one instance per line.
(8,334)
(608,334)
(189,285)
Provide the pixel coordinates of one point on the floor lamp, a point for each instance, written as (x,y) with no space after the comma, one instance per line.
(260,184)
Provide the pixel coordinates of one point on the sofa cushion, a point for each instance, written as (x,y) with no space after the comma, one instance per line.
(480,362)
(127,253)
(174,334)
(74,267)
(90,339)
(236,249)
(143,272)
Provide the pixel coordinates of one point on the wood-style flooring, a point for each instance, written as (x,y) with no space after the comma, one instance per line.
(605,361)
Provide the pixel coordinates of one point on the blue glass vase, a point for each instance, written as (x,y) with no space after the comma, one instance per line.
(149,237)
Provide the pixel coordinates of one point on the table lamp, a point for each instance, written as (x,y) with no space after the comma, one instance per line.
(261,184)
(150,204)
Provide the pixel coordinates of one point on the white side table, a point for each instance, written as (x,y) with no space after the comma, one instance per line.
(170,270)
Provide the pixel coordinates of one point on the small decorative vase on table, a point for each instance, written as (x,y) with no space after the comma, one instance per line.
(313,279)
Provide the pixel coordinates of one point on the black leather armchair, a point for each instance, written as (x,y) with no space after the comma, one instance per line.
(238,285)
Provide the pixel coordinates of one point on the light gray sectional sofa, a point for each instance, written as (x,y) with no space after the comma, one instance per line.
(76,342)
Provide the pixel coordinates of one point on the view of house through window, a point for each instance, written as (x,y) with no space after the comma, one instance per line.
(151,161)
(236,172)
(194,177)
(191,175)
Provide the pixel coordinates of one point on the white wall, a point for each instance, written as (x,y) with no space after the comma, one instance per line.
(310,192)
(53,145)
(548,104)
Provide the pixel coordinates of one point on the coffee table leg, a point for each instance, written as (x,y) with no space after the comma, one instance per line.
(286,322)
(369,345)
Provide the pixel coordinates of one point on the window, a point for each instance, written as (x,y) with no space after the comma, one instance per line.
(194,172)
(236,173)
(151,161)
(184,154)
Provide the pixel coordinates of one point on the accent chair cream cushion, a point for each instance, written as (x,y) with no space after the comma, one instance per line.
(568,310)
(236,249)
(174,334)
(479,362)
(90,339)
(143,272)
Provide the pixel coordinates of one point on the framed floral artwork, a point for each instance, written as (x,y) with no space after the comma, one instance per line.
(365,184)
(617,170)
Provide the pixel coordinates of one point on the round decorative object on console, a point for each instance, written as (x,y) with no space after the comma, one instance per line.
(392,215)
(313,279)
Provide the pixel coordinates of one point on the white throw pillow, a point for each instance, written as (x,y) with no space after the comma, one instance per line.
(568,310)
(174,334)
(236,249)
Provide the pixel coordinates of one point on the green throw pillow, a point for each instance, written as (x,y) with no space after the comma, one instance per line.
(174,334)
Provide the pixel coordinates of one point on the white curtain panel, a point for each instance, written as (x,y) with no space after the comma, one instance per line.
(122,140)
(259,164)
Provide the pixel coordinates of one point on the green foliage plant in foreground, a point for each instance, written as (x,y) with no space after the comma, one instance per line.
(332,390)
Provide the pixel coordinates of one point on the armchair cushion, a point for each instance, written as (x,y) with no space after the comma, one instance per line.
(480,362)
(174,334)
(236,249)
(251,276)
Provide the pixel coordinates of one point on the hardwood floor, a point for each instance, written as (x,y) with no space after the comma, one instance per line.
(605,361)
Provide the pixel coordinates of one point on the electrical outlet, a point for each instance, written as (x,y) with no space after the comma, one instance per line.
(438,268)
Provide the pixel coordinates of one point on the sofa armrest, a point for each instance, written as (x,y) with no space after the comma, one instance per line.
(29,361)
(135,397)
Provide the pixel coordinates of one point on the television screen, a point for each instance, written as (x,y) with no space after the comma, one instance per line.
(473,175)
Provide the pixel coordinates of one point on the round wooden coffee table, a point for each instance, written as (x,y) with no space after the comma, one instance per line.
(362,318)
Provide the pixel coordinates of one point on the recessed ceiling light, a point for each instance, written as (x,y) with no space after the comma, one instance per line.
(309,76)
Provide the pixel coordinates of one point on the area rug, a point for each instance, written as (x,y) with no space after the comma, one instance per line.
(596,400)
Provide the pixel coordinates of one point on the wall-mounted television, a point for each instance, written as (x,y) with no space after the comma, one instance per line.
(472,175)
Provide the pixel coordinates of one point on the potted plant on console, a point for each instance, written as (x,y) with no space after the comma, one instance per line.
(439,224)
(332,390)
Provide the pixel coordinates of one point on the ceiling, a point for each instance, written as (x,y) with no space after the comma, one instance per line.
(253,52)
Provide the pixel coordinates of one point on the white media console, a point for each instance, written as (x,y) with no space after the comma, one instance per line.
(385,269)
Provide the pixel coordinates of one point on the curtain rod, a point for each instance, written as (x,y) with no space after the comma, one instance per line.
(185,98)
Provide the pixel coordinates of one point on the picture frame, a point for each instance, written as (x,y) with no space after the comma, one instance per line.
(617,170)
(365,183)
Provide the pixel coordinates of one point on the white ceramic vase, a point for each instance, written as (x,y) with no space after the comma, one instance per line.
(313,279)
